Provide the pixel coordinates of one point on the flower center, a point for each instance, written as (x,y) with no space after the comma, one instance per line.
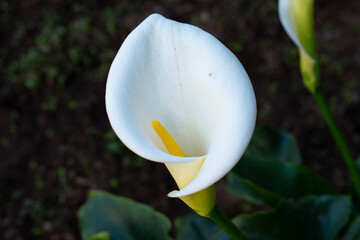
(183,173)
(167,139)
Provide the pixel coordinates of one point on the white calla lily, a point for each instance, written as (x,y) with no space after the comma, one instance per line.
(297,18)
(194,86)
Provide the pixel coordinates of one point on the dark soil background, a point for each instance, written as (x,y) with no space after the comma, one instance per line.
(56,143)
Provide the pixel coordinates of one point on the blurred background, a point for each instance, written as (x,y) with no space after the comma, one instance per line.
(56,143)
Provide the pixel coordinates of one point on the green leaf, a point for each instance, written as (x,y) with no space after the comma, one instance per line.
(258,181)
(194,227)
(100,236)
(313,218)
(273,143)
(122,218)
(353,232)
(251,192)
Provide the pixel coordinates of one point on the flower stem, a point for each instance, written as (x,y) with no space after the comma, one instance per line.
(340,141)
(226,224)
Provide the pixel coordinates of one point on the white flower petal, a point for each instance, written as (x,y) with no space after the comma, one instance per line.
(287,18)
(186,79)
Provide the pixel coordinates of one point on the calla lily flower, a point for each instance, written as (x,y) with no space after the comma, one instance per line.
(297,18)
(175,82)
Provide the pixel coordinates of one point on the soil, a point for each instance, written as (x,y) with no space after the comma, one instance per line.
(56,142)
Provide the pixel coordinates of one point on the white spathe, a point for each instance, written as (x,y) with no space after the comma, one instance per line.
(193,85)
(287,14)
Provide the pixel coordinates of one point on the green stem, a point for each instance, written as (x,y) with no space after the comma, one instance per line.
(340,141)
(226,224)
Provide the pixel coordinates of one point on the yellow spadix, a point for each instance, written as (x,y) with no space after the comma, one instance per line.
(202,202)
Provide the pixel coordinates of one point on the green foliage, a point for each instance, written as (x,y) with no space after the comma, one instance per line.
(72,104)
(81,27)
(269,170)
(194,227)
(51,33)
(121,218)
(114,183)
(60,48)
(272,143)
(100,236)
(50,105)
(113,144)
(105,216)
(108,16)
(235,46)
(25,70)
(353,232)
(259,180)
(310,218)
